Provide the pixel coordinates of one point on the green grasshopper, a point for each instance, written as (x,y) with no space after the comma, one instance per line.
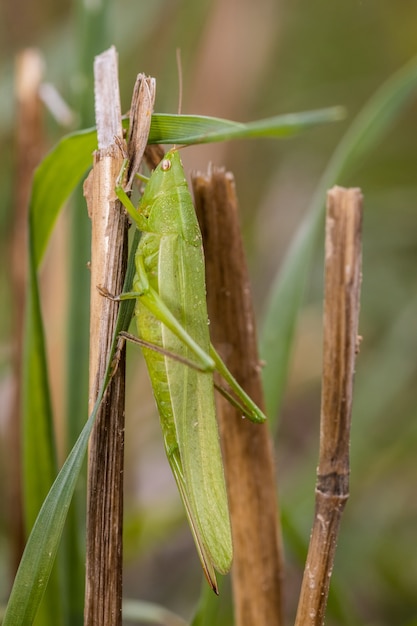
(172,324)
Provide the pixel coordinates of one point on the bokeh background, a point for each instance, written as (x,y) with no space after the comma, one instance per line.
(244,61)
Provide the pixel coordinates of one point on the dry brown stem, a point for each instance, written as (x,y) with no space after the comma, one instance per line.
(108,263)
(341,314)
(247,448)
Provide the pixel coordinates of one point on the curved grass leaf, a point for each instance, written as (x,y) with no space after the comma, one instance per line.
(53,182)
(193,129)
(38,438)
(286,294)
(39,555)
(36,402)
(37,430)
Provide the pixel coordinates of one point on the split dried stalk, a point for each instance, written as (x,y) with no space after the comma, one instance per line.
(247,447)
(108,264)
(341,314)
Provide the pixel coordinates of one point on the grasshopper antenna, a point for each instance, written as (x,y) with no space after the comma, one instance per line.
(179,70)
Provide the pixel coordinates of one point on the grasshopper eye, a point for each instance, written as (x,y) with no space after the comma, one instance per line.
(166,165)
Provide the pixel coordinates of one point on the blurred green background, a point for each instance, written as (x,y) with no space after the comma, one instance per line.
(244,61)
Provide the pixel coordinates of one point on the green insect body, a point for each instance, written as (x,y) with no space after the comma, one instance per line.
(171,312)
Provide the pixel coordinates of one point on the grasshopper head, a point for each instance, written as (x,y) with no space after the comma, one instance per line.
(166,202)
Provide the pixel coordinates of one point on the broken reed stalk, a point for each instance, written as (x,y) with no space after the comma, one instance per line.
(247,447)
(343,256)
(103,595)
(108,264)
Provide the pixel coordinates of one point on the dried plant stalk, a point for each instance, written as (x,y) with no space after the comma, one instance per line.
(247,448)
(108,263)
(341,314)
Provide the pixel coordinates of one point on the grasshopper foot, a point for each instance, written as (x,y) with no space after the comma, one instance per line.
(106,294)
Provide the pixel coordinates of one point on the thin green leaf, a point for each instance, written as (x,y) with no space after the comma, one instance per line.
(39,555)
(193,129)
(36,402)
(365,132)
(50,188)
(53,182)
(37,428)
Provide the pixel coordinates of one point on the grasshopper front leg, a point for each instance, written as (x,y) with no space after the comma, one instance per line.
(157,307)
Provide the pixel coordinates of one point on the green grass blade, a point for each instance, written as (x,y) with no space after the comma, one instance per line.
(54,180)
(39,452)
(37,411)
(192,129)
(39,555)
(286,294)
